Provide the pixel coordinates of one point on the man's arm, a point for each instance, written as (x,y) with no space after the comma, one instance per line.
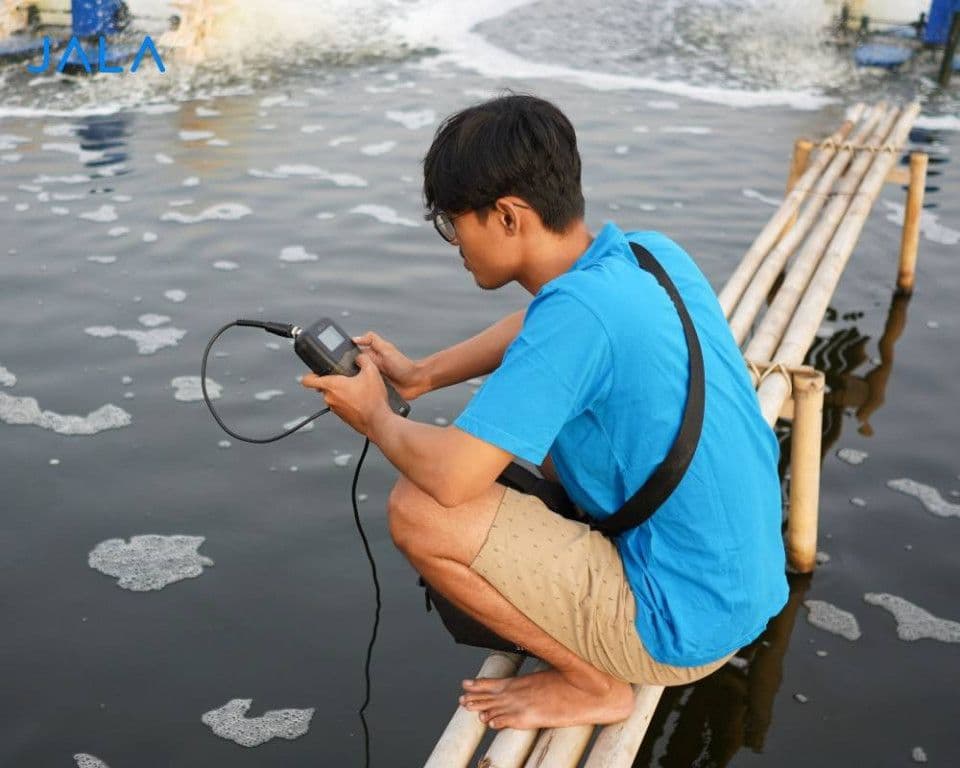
(477,356)
(444,462)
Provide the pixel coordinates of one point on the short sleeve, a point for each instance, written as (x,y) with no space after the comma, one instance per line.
(557,367)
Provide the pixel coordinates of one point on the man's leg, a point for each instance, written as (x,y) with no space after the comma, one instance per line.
(440,543)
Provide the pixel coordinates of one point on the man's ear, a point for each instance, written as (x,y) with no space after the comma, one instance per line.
(506,215)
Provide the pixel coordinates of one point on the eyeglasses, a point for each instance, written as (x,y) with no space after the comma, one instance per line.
(443,222)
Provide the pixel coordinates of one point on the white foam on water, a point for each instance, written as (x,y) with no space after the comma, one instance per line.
(150,237)
(621,149)
(268,394)
(913,622)
(26,411)
(7,379)
(158,109)
(930,226)
(930,497)
(102,259)
(163,159)
(336,142)
(384,214)
(10,141)
(342,459)
(852,456)
(752,194)
(230,722)
(373,150)
(83,760)
(148,342)
(225,265)
(218,143)
(118,231)
(195,135)
(188,389)
(696,130)
(149,562)
(152,320)
(663,104)
(223,444)
(449,28)
(21,207)
(180,203)
(77,178)
(311,128)
(291,424)
(832,619)
(206,112)
(858,502)
(60,210)
(103,214)
(326,215)
(296,253)
(11,158)
(412,119)
(126,380)
(190,181)
(175,295)
(312,171)
(219,212)
(918,755)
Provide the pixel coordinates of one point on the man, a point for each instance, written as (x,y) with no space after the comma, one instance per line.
(590,383)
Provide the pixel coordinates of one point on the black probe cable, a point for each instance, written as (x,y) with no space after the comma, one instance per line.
(286,331)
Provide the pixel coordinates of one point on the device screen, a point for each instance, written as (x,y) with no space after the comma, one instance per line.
(330,338)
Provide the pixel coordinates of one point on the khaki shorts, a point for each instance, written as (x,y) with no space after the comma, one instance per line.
(569,580)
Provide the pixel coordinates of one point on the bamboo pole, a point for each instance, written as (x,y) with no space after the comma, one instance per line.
(560,747)
(911,222)
(768,236)
(814,304)
(781,310)
(798,164)
(618,743)
(801,544)
(462,735)
(766,275)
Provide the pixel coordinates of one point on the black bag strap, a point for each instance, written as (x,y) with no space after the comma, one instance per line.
(666,477)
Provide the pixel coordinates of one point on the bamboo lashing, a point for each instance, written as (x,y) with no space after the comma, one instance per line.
(813,306)
(781,310)
(767,273)
(771,232)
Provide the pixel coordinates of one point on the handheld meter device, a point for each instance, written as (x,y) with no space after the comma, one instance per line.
(327,349)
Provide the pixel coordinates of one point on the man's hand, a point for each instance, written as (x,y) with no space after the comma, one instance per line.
(360,400)
(405,374)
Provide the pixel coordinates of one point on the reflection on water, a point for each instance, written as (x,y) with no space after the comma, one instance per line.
(708,722)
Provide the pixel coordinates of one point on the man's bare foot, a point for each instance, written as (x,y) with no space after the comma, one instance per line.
(544,700)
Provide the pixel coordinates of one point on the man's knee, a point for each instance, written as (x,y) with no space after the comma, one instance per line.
(401,514)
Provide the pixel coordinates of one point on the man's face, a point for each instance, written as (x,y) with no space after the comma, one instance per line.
(487,247)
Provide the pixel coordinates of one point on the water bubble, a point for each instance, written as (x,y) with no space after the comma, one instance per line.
(188,389)
(84,760)
(223,444)
(343,459)
(175,295)
(296,253)
(26,410)
(918,755)
(148,342)
(230,722)
(928,496)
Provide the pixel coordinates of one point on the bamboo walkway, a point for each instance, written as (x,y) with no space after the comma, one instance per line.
(832,187)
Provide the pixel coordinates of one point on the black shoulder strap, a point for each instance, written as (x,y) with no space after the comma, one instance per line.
(667,476)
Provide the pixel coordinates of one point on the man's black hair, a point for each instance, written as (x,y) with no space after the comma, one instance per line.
(511,145)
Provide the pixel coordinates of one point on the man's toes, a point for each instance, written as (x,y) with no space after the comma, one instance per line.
(478,701)
(484,685)
(492,715)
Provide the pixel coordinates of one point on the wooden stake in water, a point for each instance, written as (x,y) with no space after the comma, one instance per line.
(911,221)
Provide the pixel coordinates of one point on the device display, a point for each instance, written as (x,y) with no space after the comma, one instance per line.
(330,338)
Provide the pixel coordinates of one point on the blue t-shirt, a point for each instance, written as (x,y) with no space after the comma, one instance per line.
(598,378)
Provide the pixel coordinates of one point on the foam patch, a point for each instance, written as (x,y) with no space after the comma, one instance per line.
(913,622)
(175,295)
(930,497)
(26,410)
(384,214)
(218,212)
(414,119)
(103,214)
(188,389)
(311,171)
(148,342)
(7,379)
(230,722)
(832,619)
(852,456)
(373,150)
(296,253)
(149,562)
(88,761)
